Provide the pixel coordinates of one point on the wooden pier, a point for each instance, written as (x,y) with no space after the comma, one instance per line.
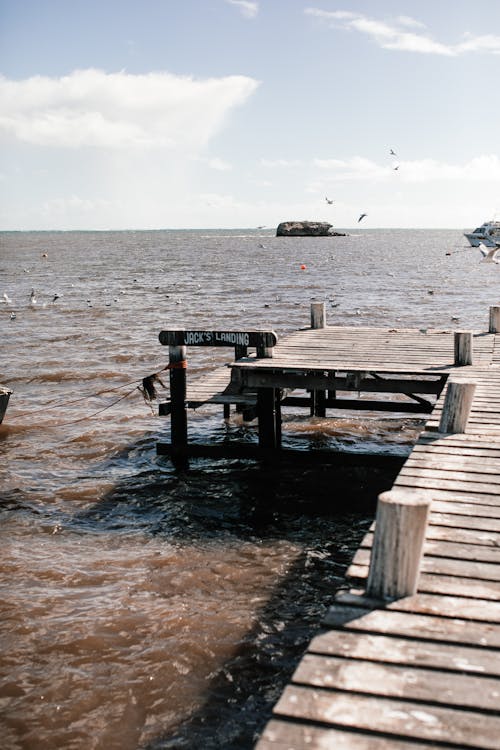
(409,654)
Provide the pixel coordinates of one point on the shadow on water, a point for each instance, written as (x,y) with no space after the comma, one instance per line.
(325,510)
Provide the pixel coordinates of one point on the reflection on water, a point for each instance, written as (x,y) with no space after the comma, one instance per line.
(145,608)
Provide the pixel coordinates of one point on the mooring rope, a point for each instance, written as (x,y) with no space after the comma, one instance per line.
(144,385)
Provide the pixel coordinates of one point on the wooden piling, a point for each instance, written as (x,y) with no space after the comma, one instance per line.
(269,416)
(178,413)
(494,326)
(318,316)
(318,398)
(400,528)
(457,405)
(463,348)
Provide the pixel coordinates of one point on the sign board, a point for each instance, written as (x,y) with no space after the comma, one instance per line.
(182,337)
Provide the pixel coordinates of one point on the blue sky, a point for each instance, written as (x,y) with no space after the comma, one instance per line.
(232,113)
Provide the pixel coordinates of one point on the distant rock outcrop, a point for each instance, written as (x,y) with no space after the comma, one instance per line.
(306,229)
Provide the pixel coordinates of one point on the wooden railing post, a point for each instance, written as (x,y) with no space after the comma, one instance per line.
(318,320)
(494,326)
(463,348)
(400,528)
(178,413)
(457,406)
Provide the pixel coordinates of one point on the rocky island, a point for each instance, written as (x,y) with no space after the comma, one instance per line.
(307,229)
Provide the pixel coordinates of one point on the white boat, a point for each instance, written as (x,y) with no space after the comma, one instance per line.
(488,234)
(4,400)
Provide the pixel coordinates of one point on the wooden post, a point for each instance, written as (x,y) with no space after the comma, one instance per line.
(240,352)
(463,348)
(318,318)
(178,414)
(494,319)
(457,405)
(400,528)
(264,352)
(269,416)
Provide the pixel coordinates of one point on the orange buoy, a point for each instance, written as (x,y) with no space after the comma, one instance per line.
(303,267)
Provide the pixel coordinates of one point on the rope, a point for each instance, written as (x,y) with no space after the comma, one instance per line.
(148,391)
(89,416)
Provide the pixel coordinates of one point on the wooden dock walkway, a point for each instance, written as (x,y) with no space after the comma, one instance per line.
(419,670)
(410,652)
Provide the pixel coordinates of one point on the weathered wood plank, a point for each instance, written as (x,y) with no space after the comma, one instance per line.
(399,681)
(432,604)
(407,651)
(397,717)
(462,568)
(449,484)
(429,583)
(444,547)
(290,735)
(433,627)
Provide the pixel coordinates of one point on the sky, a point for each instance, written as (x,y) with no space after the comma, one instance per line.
(159,114)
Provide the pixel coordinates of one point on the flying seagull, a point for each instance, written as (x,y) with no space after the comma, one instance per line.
(392,152)
(362,217)
(489,254)
(328,201)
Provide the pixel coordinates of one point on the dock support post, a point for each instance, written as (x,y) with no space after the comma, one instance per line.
(457,406)
(494,319)
(463,348)
(318,317)
(178,413)
(400,528)
(318,320)
(269,415)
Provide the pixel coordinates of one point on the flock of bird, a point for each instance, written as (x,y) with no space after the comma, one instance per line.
(395,168)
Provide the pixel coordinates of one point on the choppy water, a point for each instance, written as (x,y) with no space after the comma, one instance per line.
(142,608)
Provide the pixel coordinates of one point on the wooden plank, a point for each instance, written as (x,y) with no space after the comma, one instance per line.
(397,717)
(290,735)
(465,536)
(399,681)
(449,484)
(444,548)
(466,509)
(465,522)
(451,585)
(432,604)
(456,495)
(407,651)
(434,461)
(462,568)
(453,630)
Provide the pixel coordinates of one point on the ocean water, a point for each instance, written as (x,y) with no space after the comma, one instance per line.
(146,608)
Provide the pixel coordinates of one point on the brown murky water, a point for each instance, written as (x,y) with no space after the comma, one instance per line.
(142,608)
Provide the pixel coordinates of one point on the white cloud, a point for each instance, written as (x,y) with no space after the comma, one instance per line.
(214,162)
(394,36)
(485,43)
(356,168)
(272,163)
(119,110)
(484,168)
(247,8)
